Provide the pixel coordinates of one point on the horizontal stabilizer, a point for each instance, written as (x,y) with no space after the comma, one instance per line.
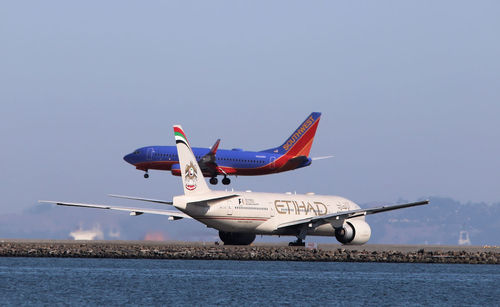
(133,211)
(143,199)
(321,158)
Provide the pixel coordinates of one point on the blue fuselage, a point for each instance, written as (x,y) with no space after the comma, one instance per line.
(230,162)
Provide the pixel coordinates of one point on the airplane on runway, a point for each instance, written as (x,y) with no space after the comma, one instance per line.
(292,154)
(240,216)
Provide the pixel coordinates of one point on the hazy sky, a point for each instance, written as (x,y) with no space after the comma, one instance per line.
(409,91)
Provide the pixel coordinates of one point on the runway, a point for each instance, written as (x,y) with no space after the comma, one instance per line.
(260,251)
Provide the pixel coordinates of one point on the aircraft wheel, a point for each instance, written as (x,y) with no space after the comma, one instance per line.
(298,242)
(226,181)
(213,180)
(146,175)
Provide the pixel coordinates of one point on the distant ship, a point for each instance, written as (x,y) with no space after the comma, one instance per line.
(92,234)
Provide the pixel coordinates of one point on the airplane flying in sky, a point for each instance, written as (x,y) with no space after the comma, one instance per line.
(240,216)
(292,154)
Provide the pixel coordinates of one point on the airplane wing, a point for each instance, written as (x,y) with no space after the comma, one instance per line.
(207,162)
(143,199)
(133,211)
(344,215)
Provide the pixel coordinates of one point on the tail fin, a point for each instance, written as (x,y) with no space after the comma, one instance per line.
(300,142)
(192,178)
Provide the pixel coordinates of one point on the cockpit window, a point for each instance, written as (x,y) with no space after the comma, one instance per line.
(136,152)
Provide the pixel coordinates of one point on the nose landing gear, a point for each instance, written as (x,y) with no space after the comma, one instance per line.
(146,175)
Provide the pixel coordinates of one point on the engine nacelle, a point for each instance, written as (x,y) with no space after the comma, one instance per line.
(236,238)
(353,232)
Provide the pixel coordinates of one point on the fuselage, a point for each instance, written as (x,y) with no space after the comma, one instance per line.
(230,162)
(292,154)
(262,213)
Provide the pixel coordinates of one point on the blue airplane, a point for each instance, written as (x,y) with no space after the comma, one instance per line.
(292,154)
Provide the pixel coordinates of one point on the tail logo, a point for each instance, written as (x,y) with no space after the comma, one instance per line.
(298,133)
(191,176)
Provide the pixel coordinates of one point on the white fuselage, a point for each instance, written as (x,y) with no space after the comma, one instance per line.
(262,213)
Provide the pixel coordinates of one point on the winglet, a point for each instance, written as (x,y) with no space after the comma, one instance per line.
(192,177)
(214,148)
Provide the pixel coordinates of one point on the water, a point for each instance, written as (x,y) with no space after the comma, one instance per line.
(44,281)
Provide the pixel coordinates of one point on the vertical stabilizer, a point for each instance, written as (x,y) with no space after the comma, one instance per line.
(300,142)
(192,178)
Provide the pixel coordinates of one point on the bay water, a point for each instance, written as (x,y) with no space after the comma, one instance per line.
(110,282)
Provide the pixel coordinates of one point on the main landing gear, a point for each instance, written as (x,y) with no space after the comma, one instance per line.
(297,242)
(225,180)
(146,175)
(301,236)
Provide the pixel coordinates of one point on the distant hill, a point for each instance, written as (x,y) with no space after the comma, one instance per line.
(440,222)
(437,223)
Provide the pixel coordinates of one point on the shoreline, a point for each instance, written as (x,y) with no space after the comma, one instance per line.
(256,252)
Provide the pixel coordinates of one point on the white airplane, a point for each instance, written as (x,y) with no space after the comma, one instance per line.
(240,216)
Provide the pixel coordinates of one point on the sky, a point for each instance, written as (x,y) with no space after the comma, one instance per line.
(409,93)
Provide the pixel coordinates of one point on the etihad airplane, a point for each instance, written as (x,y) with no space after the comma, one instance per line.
(292,154)
(240,216)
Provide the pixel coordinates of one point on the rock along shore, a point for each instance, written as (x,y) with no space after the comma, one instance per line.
(261,252)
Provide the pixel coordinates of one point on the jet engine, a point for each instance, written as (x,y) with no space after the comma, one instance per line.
(353,232)
(236,238)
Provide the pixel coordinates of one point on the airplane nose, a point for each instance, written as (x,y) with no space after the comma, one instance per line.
(128,158)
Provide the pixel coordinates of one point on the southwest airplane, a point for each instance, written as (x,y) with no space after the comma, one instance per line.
(292,154)
(240,216)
